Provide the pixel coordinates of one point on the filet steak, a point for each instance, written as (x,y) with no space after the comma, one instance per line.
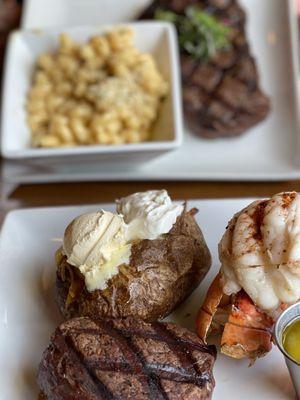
(221,97)
(90,359)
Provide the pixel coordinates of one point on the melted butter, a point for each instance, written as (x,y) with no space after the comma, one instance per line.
(291,340)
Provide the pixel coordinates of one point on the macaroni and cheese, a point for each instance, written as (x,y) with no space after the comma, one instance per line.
(101,92)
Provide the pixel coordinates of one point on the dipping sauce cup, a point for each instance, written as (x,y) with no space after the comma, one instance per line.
(290,315)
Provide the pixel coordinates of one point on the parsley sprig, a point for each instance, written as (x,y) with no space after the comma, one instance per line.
(200,34)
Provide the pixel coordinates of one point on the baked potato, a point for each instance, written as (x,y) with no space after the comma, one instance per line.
(161,274)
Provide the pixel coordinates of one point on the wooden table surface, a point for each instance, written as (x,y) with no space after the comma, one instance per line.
(97,192)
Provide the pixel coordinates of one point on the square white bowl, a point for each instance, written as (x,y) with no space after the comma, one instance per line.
(157,38)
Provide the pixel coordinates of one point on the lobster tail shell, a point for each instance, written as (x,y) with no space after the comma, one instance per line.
(211,303)
(246,332)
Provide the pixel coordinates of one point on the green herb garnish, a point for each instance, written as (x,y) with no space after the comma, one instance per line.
(200,34)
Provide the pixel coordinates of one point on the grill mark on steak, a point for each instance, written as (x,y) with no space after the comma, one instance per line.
(184,352)
(176,374)
(158,371)
(96,387)
(147,335)
(133,353)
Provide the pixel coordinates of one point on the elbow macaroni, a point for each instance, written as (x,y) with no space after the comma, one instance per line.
(102,92)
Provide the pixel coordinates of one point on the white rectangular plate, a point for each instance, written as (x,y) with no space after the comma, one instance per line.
(28,313)
(267,152)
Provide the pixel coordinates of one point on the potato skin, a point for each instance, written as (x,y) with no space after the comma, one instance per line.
(161,275)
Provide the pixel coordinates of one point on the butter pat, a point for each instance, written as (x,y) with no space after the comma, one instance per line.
(97,276)
(96,244)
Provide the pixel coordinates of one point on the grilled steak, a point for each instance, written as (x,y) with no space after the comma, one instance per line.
(222,96)
(125,359)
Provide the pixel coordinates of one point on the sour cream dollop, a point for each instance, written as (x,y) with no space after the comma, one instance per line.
(260,252)
(149,214)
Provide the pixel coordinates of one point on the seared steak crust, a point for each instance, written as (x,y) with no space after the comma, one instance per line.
(162,273)
(221,97)
(125,359)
